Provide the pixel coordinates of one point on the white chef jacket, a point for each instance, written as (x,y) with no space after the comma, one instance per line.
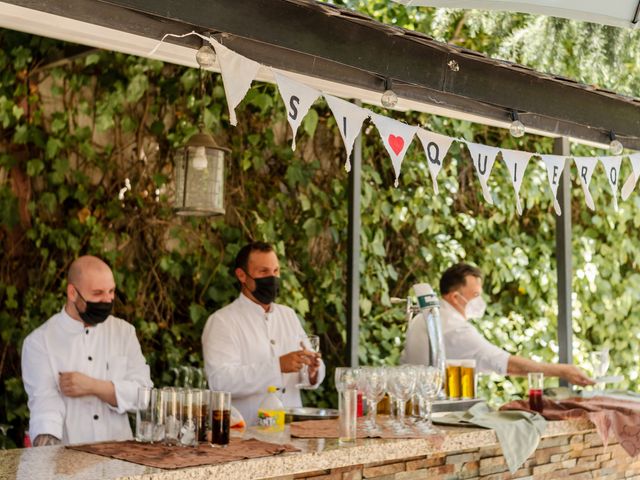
(242,346)
(108,351)
(461,341)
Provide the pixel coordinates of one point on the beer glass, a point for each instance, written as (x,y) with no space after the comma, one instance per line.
(468,379)
(144,414)
(220,418)
(453,385)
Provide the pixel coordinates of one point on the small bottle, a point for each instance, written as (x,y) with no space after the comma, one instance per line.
(271,412)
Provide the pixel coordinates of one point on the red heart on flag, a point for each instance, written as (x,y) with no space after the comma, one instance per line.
(396,143)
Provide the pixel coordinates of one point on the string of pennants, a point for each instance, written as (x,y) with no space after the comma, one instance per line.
(238,72)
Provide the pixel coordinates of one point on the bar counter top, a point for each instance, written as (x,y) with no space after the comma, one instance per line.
(317,456)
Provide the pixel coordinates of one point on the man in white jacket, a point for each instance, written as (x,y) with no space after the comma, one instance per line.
(253,342)
(82,368)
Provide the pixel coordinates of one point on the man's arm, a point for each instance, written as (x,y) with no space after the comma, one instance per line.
(46,405)
(76,384)
(521,366)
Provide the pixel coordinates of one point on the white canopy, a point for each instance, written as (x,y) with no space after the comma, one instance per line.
(619,13)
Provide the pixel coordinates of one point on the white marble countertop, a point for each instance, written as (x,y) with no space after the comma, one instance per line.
(57,462)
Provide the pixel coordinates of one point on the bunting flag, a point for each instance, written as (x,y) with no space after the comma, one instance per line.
(298,98)
(555,165)
(586,166)
(630,184)
(483,158)
(516,162)
(612,167)
(396,137)
(349,118)
(435,148)
(237,74)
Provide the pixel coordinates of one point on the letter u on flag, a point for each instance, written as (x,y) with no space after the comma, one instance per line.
(349,118)
(612,167)
(237,74)
(435,148)
(586,166)
(483,158)
(396,137)
(516,162)
(555,164)
(298,98)
(630,184)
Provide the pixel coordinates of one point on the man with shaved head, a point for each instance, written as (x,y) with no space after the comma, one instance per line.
(82,368)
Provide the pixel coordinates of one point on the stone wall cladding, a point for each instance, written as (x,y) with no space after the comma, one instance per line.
(574,457)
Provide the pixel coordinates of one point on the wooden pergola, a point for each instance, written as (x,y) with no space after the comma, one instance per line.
(350,55)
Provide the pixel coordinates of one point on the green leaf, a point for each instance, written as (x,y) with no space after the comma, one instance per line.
(310,122)
(35,167)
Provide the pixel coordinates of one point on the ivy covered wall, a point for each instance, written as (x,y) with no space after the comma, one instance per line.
(75,133)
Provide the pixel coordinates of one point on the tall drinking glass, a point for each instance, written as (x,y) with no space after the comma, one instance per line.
(190,399)
(536,385)
(144,414)
(172,416)
(346,380)
(220,418)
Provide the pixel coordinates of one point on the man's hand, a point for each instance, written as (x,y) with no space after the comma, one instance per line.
(573,375)
(293,361)
(314,366)
(76,384)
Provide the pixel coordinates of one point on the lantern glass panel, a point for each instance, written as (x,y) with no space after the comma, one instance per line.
(200,183)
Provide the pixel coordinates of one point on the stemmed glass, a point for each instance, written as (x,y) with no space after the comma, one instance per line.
(401,383)
(372,383)
(311,343)
(428,386)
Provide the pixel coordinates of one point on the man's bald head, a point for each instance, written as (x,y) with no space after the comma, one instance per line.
(90,279)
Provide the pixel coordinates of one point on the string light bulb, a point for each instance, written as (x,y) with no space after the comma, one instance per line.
(206,56)
(516,128)
(389,98)
(615,146)
(200,159)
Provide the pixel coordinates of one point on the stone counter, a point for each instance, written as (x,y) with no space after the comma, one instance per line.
(567,449)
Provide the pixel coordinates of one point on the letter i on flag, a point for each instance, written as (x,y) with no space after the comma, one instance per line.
(586,166)
(483,159)
(612,167)
(630,184)
(298,98)
(349,118)
(516,162)
(396,137)
(435,148)
(555,165)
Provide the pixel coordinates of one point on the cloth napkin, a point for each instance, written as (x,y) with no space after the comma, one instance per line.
(609,415)
(518,432)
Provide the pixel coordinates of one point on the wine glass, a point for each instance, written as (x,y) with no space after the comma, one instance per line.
(401,384)
(312,344)
(428,386)
(373,383)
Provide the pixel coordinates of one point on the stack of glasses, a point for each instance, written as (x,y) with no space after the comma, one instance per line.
(183,416)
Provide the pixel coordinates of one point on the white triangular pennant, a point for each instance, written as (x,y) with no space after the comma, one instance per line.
(483,158)
(435,147)
(555,164)
(396,137)
(516,162)
(349,118)
(630,184)
(298,98)
(237,74)
(612,167)
(586,166)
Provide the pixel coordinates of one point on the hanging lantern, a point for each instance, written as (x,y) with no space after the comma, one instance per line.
(199,169)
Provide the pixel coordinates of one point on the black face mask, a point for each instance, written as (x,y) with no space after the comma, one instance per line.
(267,289)
(94,312)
